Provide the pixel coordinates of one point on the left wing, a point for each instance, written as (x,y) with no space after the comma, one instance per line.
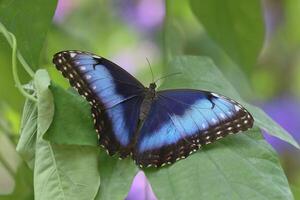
(181,121)
(115,96)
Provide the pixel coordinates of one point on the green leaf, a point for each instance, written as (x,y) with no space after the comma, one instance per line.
(201,73)
(72,118)
(241,166)
(116,177)
(45,100)
(235,25)
(61,172)
(266,123)
(27,140)
(65,171)
(29,21)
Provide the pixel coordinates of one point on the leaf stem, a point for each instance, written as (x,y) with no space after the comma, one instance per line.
(25,65)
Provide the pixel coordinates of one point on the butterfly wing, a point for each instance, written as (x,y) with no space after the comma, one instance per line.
(181,121)
(114,94)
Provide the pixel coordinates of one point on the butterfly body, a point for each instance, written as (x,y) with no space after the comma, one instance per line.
(150,94)
(155,127)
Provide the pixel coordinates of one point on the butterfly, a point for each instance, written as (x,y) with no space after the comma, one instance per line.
(154,127)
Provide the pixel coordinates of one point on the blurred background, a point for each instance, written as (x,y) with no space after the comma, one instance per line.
(129,31)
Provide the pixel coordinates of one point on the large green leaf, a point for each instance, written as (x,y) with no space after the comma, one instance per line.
(241,166)
(235,25)
(72,123)
(29,21)
(201,73)
(27,140)
(65,172)
(61,172)
(237,167)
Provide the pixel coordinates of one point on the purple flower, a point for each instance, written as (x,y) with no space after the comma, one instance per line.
(133,58)
(273,13)
(150,13)
(285,110)
(143,13)
(140,188)
(63,9)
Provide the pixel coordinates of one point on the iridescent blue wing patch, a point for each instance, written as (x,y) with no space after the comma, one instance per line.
(181,121)
(114,94)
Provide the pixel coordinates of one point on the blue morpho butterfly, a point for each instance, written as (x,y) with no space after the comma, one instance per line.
(155,127)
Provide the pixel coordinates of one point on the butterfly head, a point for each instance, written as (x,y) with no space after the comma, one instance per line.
(152,86)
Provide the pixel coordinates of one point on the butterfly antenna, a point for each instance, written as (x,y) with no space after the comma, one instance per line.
(150,70)
(168,75)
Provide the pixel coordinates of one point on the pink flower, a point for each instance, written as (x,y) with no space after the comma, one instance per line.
(63,9)
(140,188)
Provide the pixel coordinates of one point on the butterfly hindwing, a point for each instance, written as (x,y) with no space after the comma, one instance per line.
(117,126)
(181,121)
(114,94)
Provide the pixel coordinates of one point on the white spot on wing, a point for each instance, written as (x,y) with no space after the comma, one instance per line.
(97,57)
(214,94)
(237,108)
(88,77)
(72,54)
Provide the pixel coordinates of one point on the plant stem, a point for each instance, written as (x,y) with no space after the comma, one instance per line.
(13,43)
(15,70)
(6,34)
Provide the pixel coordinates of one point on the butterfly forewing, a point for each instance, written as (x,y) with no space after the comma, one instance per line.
(114,94)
